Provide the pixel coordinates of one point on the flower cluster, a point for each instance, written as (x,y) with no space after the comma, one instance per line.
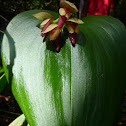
(54,27)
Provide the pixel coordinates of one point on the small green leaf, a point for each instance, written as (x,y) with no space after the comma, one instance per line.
(19,121)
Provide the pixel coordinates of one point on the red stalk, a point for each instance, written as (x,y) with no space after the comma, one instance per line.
(61,21)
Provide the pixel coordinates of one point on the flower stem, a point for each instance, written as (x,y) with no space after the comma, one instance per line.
(2,31)
(55,21)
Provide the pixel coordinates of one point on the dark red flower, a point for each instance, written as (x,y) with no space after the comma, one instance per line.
(65,12)
(73,29)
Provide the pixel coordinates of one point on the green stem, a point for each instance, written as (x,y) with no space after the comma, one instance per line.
(2,31)
(6,117)
(55,21)
(10,112)
(4,18)
(2,76)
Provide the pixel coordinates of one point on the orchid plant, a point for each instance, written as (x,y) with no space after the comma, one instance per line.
(78,85)
(54,27)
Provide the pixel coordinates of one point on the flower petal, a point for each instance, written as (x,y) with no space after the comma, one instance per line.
(45,27)
(70,28)
(54,35)
(73,37)
(42,15)
(76,20)
(68,15)
(62,12)
(43,34)
(61,21)
(50,27)
(76,30)
(44,23)
(67,4)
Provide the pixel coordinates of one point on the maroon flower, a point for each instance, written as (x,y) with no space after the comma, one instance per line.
(47,19)
(73,29)
(50,26)
(65,12)
(54,32)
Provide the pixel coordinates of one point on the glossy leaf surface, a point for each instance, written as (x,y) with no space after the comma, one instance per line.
(79,86)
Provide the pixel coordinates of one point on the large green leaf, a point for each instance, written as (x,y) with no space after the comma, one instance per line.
(79,86)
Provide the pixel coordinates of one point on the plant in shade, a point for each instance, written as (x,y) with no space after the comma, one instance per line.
(82,84)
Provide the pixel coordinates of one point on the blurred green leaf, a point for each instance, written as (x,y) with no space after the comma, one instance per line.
(1,70)
(3,82)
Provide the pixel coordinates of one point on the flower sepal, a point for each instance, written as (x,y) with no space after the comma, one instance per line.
(43,15)
(73,29)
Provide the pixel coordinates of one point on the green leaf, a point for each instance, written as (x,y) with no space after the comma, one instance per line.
(19,121)
(1,70)
(79,86)
(3,82)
